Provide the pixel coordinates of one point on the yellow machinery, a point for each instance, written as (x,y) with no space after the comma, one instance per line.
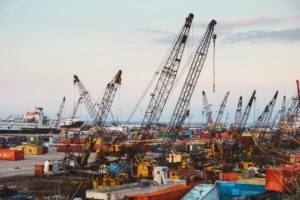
(209,167)
(30,149)
(106,181)
(143,168)
(246,165)
(249,151)
(115,148)
(179,158)
(174,175)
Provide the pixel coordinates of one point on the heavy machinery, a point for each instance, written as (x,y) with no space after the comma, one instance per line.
(263,121)
(59,112)
(207,111)
(79,101)
(218,121)
(166,79)
(97,113)
(244,119)
(238,112)
(280,114)
(288,120)
(191,80)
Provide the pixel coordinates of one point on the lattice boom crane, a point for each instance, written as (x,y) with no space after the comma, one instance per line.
(166,79)
(98,115)
(192,78)
(246,113)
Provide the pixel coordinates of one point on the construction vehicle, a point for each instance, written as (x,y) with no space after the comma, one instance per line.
(217,124)
(142,167)
(178,159)
(207,111)
(98,114)
(179,113)
(246,165)
(238,113)
(244,118)
(59,113)
(263,121)
(166,79)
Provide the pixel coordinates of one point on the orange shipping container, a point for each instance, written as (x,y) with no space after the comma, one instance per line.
(7,154)
(282,179)
(230,176)
(39,170)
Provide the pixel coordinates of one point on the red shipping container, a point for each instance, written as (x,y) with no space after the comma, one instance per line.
(67,140)
(7,154)
(229,176)
(282,179)
(73,148)
(39,170)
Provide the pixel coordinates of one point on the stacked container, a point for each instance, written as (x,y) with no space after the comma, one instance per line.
(8,154)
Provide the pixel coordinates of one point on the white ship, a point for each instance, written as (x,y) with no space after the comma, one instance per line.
(34,121)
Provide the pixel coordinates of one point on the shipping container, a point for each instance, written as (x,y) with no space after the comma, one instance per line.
(228,190)
(259,181)
(39,170)
(72,148)
(174,192)
(282,179)
(31,149)
(177,174)
(203,192)
(8,154)
(250,173)
(76,140)
(229,176)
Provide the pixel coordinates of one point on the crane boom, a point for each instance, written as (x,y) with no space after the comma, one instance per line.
(207,109)
(262,116)
(246,113)
(221,111)
(98,116)
(266,122)
(238,112)
(192,78)
(264,119)
(107,100)
(60,111)
(280,114)
(76,107)
(167,77)
(84,94)
(283,108)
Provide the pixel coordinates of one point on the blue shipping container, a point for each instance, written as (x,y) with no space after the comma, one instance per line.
(229,190)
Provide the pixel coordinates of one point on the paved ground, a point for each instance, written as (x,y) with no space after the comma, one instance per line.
(26,167)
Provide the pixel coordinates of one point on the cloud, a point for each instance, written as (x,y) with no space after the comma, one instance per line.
(158,36)
(288,35)
(229,30)
(228,26)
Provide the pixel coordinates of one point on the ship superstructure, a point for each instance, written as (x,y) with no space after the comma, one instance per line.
(31,122)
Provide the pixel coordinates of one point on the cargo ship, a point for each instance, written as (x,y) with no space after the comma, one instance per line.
(34,121)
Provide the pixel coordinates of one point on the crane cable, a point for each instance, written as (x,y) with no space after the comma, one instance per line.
(214,63)
(157,72)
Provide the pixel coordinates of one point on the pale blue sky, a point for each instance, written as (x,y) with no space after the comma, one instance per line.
(44,43)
